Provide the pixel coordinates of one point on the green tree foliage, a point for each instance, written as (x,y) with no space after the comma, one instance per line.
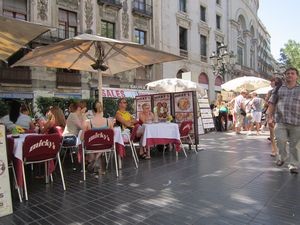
(3,108)
(290,54)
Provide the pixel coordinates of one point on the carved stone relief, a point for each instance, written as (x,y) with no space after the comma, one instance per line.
(219,38)
(108,14)
(183,21)
(88,8)
(125,20)
(71,4)
(42,8)
(141,23)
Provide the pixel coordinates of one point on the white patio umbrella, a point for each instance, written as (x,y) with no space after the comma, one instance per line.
(249,83)
(175,85)
(15,34)
(263,91)
(95,54)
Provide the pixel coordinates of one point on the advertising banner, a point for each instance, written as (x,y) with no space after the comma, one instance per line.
(183,106)
(5,193)
(140,100)
(162,102)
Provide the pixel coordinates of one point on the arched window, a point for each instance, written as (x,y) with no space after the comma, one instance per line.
(203,78)
(218,81)
(179,73)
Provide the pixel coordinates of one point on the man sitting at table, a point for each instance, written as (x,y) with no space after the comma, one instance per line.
(123,118)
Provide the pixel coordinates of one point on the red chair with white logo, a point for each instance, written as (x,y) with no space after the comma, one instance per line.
(99,141)
(184,130)
(41,148)
(10,148)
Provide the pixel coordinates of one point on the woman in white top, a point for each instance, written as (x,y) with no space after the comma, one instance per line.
(24,120)
(75,119)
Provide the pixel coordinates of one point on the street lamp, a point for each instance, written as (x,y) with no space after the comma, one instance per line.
(279,70)
(223,61)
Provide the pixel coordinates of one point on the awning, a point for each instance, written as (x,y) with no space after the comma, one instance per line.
(15,34)
(17,95)
(67,95)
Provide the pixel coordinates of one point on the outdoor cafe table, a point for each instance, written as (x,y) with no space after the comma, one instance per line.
(161,134)
(18,151)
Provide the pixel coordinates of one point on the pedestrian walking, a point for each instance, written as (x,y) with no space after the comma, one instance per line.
(286,105)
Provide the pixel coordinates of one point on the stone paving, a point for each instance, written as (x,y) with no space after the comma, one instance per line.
(233,181)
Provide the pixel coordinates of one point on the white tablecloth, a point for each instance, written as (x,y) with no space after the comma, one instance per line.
(160,133)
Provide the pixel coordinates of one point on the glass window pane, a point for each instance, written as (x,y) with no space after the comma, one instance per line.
(182,38)
(61,31)
(72,32)
(203,45)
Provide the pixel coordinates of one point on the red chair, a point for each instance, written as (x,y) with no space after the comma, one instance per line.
(41,148)
(131,140)
(70,143)
(98,141)
(184,130)
(10,148)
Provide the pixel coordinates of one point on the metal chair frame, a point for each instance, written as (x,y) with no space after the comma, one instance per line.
(46,161)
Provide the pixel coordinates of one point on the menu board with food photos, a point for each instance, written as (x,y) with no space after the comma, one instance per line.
(162,102)
(5,193)
(183,109)
(140,101)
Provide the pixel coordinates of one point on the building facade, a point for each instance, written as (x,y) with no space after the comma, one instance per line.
(193,29)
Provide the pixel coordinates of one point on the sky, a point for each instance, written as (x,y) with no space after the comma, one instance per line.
(282,20)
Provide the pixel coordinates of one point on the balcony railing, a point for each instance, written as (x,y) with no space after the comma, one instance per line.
(203,58)
(20,75)
(184,53)
(140,8)
(65,79)
(114,3)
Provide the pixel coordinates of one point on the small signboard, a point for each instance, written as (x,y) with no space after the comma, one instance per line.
(5,193)
(200,126)
(140,100)
(205,113)
(163,104)
(183,109)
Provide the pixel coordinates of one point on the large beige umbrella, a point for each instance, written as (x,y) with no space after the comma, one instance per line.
(263,90)
(175,85)
(95,54)
(15,34)
(249,83)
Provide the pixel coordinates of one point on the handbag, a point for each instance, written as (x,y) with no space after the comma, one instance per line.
(243,112)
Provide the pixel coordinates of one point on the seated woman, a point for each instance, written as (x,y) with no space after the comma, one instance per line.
(98,122)
(75,119)
(56,121)
(123,118)
(11,118)
(24,119)
(146,116)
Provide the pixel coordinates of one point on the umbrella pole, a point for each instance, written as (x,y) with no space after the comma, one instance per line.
(100,97)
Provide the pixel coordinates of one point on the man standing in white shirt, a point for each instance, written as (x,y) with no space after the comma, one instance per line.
(238,105)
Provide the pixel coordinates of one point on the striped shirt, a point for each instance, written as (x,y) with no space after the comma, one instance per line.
(287,109)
